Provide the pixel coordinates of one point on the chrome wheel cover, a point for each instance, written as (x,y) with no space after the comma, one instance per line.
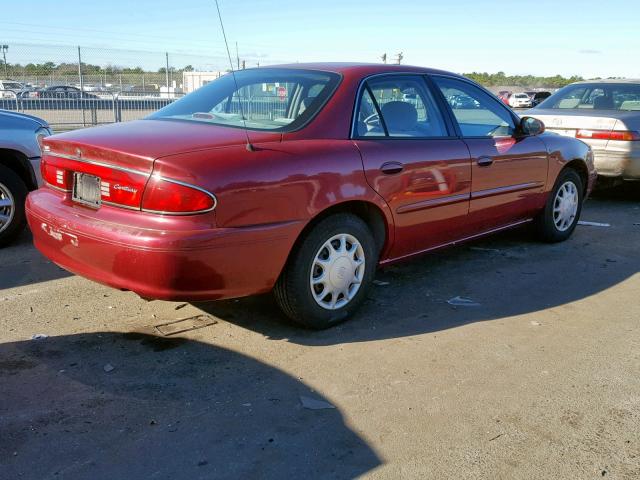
(7,207)
(337,271)
(565,206)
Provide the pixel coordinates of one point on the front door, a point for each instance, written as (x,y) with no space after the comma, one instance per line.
(413,159)
(508,170)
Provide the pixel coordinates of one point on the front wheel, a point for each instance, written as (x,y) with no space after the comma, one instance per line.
(13,193)
(560,216)
(329,273)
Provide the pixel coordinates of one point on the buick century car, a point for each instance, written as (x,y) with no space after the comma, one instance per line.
(300,179)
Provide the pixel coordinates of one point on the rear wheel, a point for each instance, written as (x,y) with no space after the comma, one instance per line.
(13,193)
(328,275)
(560,216)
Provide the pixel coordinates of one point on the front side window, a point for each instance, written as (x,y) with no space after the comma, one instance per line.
(478,114)
(271,99)
(398,106)
(614,96)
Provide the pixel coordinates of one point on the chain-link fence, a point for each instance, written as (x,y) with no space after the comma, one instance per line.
(72,87)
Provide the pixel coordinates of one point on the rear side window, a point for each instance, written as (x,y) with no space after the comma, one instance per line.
(398,106)
(478,114)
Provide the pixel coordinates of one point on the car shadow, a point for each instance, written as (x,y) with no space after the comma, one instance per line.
(133,405)
(22,264)
(505,275)
(625,192)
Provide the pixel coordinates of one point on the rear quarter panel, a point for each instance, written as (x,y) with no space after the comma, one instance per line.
(291,181)
(563,150)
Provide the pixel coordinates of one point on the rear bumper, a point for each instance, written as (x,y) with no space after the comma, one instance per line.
(170,258)
(619,161)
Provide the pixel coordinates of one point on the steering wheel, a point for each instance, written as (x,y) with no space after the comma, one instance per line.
(372,120)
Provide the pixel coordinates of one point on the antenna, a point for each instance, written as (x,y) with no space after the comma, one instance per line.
(250,147)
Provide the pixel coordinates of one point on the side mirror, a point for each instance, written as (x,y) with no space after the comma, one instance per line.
(531,126)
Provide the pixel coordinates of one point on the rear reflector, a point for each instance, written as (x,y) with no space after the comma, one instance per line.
(624,135)
(169,196)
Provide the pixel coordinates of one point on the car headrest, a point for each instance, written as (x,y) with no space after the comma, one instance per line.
(305,103)
(399,116)
(602,103)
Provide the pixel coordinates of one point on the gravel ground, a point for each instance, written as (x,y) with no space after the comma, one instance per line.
(540,380)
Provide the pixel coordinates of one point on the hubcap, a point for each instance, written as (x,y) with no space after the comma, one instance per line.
(565,206)
(337,271)
(7,208)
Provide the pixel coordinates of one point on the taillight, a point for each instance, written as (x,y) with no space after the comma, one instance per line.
(55,176)
(41,134)
(624,135)
(169,196)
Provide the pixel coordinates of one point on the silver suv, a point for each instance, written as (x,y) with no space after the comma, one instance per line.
(20,138)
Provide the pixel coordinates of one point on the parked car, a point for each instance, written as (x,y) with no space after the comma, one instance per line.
(462,102)
(209,198)
(62,92)
(90,87)
(520,100)
(606,115)
(504,95)
(11,89)
(539,97)
(20,138)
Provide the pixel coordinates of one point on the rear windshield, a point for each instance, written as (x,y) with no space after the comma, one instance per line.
(597,96)
(271,99)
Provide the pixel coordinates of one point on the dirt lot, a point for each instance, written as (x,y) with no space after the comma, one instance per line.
(541,380)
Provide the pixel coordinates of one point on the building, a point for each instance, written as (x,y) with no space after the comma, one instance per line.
(193,80)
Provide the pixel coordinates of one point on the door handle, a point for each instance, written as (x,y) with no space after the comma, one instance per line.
(389,168)
(484,161)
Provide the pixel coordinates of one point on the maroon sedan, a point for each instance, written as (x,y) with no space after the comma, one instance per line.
(301,179)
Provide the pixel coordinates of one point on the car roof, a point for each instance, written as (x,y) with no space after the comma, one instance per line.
(363,69)
(610,81)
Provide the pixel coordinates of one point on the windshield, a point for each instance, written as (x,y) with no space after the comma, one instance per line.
(596,96)
(272,99)
(12,85)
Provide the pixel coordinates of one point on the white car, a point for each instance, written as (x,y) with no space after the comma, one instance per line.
(520,100)
(10,88)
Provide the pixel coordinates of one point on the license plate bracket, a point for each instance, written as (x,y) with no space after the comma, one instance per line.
(86,189)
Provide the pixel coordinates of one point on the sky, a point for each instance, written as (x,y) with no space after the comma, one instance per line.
(567,37)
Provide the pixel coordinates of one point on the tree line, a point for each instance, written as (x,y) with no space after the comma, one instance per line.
(533,81)
(49,68)
(484,78)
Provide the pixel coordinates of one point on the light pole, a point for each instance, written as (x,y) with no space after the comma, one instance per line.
(4,56)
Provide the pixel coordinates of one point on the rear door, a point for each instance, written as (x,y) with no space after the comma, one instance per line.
(413,159)
(508,170)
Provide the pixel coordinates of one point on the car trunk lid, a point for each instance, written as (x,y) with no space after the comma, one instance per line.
(568,122)
(113,164)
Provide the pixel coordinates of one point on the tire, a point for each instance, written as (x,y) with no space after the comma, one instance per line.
(556,223)
(14,192)
(310,304)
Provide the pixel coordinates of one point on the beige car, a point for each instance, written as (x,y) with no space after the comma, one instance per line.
(606,115)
